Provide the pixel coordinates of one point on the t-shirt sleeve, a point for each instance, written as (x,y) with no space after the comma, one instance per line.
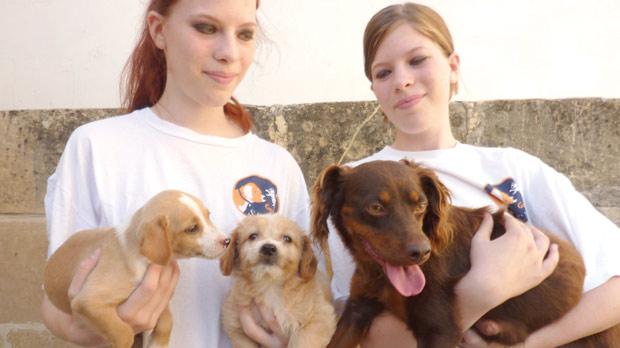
(70,204)
(553,203)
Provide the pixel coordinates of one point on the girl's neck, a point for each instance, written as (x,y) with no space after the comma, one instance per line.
(199,118)
(425,141)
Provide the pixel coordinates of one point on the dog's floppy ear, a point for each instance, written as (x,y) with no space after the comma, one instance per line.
(230,259)
(438,195)
(324,192)
(308,262)
(155,240)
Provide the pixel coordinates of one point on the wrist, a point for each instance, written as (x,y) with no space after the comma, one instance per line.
(475,297)
(537,340)
(484,291)
(80,333)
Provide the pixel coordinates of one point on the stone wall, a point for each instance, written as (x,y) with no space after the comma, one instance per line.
(579,137)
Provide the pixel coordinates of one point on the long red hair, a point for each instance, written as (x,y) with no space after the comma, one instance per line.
(144,75)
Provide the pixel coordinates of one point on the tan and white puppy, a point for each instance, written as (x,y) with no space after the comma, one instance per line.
(171,225)
(273,264)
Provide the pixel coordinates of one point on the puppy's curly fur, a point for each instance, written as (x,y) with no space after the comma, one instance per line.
(273,264)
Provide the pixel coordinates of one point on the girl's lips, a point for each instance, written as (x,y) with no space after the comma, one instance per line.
(409,101)
(221,77)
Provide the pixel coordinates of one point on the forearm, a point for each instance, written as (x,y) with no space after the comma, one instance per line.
(598,310)
(470,305)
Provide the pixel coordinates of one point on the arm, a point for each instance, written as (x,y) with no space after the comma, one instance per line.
(554,204)
(503,268)
(571,327)
(271,337)
(602,300)
(141,310)
(516,258)
(71,328)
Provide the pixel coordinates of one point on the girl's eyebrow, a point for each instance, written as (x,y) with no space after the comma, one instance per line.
(413,50)
(217,21)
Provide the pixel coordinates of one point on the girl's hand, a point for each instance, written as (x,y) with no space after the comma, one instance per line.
(141,310)
(73,328)
(472,340)
(513,263)
(272,337)
(146,303)
(503,268)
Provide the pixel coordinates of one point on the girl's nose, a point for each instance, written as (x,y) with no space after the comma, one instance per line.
(403,80)
(226,49)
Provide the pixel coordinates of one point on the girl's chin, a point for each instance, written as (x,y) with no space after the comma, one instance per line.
(215,100)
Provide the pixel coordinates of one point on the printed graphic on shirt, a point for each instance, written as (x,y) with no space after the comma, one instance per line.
(510,188)
(254,195)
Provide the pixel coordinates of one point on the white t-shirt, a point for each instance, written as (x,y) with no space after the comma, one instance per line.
(111,167)
(543,196)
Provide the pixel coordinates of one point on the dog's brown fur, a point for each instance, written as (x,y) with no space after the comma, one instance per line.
(171,225)
(403,211)
(273,264)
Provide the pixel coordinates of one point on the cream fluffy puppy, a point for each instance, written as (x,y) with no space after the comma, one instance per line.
(273,264)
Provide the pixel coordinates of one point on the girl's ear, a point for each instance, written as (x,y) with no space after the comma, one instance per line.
(155,22)
(455,65)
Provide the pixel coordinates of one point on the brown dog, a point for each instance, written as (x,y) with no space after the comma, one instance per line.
(411,246)
(273,264)
(170,225)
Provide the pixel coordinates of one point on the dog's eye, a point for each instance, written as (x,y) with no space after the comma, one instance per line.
(375,209)
(420,207)
(192,229)
(287,239)
(253,236)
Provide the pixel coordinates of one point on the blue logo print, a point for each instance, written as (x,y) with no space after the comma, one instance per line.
(254,195)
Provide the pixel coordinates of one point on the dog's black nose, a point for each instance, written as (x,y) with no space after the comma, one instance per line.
(268,249)
(226,242)
(419,253)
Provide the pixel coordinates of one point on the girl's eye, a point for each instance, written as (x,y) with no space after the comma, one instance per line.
(417,61)
(246,35)
(205,28)
(192,229)
(381,74)
(287,239)
(253,236)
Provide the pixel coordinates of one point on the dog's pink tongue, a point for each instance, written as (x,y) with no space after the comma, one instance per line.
(408,281)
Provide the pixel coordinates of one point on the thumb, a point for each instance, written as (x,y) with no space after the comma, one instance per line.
(485,229)
(551,260)
(82,272)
